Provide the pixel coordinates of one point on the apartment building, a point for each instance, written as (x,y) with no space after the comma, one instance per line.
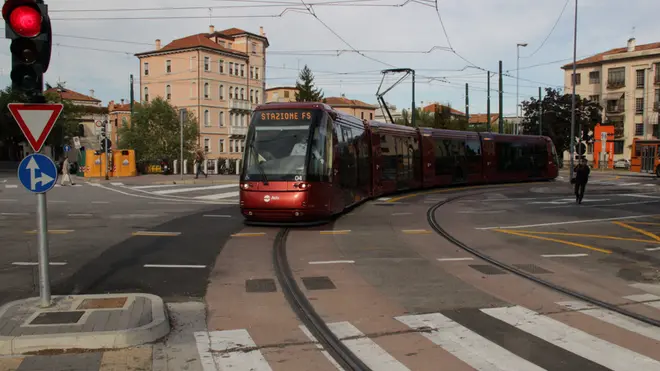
(218,76)
(357,108)
(626,83)
(281,94)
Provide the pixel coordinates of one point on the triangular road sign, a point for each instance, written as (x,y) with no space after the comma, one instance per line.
(36,120)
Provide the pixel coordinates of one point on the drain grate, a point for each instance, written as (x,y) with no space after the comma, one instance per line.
(260,285)
(56,318)
(318,283)
(487,269)
(532,268)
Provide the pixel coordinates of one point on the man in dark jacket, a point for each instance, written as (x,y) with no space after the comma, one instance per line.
(581,178)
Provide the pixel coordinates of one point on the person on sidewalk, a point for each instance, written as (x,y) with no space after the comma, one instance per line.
(580,181)
(199,160)
(66,177)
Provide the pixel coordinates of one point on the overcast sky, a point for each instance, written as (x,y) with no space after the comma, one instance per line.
(100,57)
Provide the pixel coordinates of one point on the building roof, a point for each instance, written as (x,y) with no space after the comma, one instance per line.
(431,108)
(67,94)
(282,87)
(345,102)
(114,107)
(203,40)
(482,118)
(600,57)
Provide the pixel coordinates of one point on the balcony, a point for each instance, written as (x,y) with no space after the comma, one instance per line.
(616,84)
(238,131)
(614,108)
(239,105)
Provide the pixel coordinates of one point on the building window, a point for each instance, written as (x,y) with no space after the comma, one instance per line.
(640,78)
(231,119)
(618,147)
(146,68)
(639,129)
(231,93)
(594,77)
(251,95)
(594,98)
(242,70)
(286,94)
(254,48)
(221,119)
(221,66)
(207,146)
(242,94)
(616,77)
(168,66)
(256,97)
(657,99)
(362,115)
(236,146)
(146,94)
(207,64)
(256,73)
(251,72)
(206,90)
(168,92)
(231,145)
(207,118)
(221,93)
(231,68)
(577,78)
(371,115)
(639,106)
(221,146)
(657,73)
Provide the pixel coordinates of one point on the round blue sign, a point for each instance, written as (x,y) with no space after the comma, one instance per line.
(37,173)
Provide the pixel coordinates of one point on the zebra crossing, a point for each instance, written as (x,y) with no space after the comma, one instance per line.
(512,338)
(614,182)
(215,192)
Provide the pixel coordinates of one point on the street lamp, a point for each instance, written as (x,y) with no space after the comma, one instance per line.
(518,81)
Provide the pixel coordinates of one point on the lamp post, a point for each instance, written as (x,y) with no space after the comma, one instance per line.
(518,82)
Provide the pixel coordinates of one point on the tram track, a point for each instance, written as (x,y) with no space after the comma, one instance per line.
(435,225)
(306,312)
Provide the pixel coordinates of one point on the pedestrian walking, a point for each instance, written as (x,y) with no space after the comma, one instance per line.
(199,160)
(580,181)
(66,177)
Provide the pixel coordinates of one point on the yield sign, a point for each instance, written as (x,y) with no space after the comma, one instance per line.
(36,120)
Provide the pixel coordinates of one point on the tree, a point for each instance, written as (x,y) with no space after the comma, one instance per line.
(557,117)
(11,136)
(154,132)
(305,90)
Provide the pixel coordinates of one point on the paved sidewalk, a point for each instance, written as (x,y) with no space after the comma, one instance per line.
(82,322)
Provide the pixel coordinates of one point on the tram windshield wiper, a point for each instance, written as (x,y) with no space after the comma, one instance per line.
(256,159)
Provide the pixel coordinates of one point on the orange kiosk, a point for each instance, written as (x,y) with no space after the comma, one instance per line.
(609,145)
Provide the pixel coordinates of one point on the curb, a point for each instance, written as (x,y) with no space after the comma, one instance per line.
(158,328)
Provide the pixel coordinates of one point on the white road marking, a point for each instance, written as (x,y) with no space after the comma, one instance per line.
(96,184)
(573,340)
(401,214)
(192,189)
(649,185)
(156,233)
(232,346)
(453,259)
(651,288)
(100,202)
(57,201)
(173,266)
(80,215)
(465,344)
(217,216)
(564,255)
(58,185)
(37,263)
(218,196)
(370,353)
(117,184)
(155,186)
(384,199)
(76,185)
(652,248)
(640,195)
(650,300)
(171,201)
(320,347)
(11,186)
(510,199)
(482,211)
(614,318)
(604,205)
(628,184)
(333,262)
(14,214)
(569,222)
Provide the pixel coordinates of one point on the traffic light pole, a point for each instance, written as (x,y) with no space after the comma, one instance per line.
(105,146)
(42,231)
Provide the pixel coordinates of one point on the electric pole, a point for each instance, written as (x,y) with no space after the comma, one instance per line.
(488,102)
(501,118)
(467,103)
(132,98)
(540,113)
(573,103)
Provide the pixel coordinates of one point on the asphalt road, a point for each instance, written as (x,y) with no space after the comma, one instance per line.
(93,247)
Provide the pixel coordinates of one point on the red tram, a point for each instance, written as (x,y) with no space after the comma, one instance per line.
(306,162)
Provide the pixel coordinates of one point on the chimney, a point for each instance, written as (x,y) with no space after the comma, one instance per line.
(111,105)
(631,44)
(261,31)
(211,29)
(157,44)
(122,101)
(91,93)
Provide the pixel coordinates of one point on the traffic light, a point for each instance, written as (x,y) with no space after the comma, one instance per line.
(28,27)
(104,129)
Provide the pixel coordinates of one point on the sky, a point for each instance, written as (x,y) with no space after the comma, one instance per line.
(346,43)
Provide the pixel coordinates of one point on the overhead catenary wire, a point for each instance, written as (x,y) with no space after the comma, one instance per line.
(551,31)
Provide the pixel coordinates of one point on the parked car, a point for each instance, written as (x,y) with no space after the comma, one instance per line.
(622,163)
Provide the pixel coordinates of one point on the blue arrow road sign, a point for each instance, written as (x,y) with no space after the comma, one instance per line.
(37,173)
(67,148)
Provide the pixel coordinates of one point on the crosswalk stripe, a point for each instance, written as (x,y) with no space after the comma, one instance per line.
(369,352)
(237,351)
(218,196)
(325,353)
(614,318)
(466,345)
(650,300)
(11,186)
(154,186)
(573,340)
(193,189)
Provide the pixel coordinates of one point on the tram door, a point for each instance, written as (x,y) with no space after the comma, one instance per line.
(648,159)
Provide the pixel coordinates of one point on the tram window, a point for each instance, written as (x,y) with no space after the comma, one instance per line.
(443,159)
(388,151)
(319,166)
(473,147)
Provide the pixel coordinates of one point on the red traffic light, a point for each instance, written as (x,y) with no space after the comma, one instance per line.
(25,20)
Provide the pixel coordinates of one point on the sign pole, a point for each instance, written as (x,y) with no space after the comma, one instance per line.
(42,231)
(182,118)
(105,142)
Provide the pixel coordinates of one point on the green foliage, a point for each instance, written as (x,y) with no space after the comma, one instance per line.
(155,132)
(557,117)
(440,119)
(305,90)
